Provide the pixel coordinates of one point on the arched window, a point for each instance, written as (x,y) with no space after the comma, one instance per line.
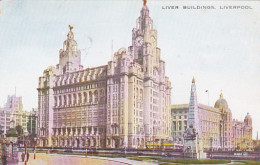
(70,79)
(60,101)
(85,97)
(141,94)
(69,99)
(90,97)
(55,101)
(65,100)
(79,98)
(74,99)
(101,95)
(96,96)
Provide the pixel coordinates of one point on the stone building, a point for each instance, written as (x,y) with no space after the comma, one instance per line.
(215,126)
(13,110)
(122,104)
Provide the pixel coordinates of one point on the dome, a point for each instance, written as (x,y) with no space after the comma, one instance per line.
(248,118)
(221,103)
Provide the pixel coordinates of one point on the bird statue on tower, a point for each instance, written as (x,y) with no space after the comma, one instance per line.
(145,1)
(71,27)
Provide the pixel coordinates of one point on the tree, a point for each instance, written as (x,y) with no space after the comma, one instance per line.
(11,133)
(257,148)
(19,130)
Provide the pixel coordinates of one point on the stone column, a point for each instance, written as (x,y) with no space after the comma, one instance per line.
(81,131)
(92,130)
(76,143)
(91,142)
(87,132)
(98,142)
(76,131)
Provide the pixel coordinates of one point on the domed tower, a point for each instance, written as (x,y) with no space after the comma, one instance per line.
(221,103)
(70,56)
(225,123)
(248,120)
(248,131)
(144,48)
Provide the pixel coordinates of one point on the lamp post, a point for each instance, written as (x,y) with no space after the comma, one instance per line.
(35,143)
(25,146)
(211,140)
(86,150)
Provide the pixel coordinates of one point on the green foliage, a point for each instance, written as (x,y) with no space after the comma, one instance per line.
(195,161)
(19,130)
(11,133)
(257,148)
(250,162)
(183,161)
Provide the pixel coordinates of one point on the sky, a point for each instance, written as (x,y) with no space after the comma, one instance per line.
(220,48)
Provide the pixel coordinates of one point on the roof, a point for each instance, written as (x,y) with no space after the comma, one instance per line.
(180,106)
(206,107)
(221,102)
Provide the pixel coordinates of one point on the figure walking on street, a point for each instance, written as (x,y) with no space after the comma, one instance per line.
(23,156)
(28,155)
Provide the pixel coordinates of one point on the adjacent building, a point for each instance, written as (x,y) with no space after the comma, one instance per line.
(13,111)
(32,121)
(122,104)
(214,125)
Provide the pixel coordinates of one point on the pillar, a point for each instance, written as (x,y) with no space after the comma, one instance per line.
(76,131)
(81,131)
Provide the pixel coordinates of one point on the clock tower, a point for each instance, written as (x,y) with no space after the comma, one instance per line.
(144,42)
(70,56)
(155,85)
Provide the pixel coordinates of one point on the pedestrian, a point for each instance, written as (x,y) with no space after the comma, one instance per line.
(4,160)
(28,155)
(23,156)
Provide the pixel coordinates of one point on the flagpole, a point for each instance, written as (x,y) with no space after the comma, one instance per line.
(208,98)
(207,91)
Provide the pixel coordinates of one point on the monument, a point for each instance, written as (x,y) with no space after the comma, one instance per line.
(193,146)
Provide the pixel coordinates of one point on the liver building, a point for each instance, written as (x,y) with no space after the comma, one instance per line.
(122,104)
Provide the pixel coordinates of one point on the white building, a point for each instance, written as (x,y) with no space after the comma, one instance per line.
(13,110)
(214,126)
(122,104)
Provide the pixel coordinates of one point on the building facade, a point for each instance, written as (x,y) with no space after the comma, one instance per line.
(215,126)
(13,111)
(122,104)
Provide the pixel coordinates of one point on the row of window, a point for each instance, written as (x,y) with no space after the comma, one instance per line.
(76,78)
(80,98)
(78,88)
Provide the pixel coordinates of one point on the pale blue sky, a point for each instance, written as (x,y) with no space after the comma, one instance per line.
(221,48)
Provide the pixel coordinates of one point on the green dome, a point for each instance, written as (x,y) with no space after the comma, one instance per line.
(221,103)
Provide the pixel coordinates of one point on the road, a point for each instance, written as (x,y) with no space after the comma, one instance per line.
(48,159)
(56,159)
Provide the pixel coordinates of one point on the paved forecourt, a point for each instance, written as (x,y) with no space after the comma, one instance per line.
(56,159)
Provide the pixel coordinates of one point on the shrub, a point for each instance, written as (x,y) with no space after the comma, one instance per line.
(183,161)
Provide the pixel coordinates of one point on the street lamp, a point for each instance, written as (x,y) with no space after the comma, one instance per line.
(25,145)
(35,143)
(211,140)
(86,150)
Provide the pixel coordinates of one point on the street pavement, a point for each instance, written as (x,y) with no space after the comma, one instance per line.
(56,159)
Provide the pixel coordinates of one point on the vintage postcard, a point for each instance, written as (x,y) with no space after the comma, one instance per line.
(129,82)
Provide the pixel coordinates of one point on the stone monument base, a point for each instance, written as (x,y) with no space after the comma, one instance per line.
(194,155)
